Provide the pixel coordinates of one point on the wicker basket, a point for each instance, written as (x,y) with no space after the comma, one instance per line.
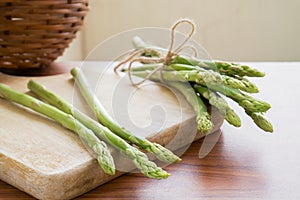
(33,33)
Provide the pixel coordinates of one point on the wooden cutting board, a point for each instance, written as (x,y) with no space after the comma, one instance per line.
(42,158)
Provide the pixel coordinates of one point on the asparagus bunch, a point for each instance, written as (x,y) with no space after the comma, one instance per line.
(207,79)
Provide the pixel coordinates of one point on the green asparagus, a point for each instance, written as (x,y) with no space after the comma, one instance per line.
(139,159)
(226,68)
(260,121)
(68,121)
(217,101)
(103,117)
(210,78)
(176,82)
(203,77)
(223,67)
(150,50)
(154,66)
(202,116)
(247,102)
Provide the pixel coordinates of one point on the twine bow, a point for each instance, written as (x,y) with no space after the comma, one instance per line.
(135,55)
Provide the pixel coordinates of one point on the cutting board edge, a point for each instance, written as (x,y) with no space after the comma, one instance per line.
(84,173)
(90,181)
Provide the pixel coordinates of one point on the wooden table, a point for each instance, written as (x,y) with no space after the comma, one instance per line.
(245,163)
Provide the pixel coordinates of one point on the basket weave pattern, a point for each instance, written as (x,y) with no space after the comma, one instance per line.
(33,33)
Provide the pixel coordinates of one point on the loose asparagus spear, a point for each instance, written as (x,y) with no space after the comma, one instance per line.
(139,159)
(103,117)
(99,147)
(247,102)
(217,101)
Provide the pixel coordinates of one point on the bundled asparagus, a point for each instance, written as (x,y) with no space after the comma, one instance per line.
(139,158)
(68,121)
(208,78)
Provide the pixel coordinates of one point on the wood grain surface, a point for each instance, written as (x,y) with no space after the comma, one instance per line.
(245,163)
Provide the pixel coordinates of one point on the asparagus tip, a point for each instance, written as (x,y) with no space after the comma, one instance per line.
(261,122)
(204,124)
(74,71)
(163,154)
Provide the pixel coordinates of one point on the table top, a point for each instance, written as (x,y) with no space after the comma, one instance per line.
(245,163)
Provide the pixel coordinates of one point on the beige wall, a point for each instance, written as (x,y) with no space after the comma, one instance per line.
(242,30)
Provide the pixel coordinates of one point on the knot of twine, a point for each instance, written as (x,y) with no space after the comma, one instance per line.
(134,55)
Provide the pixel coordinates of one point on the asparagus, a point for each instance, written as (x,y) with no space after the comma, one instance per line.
(150,50)
(176,82)
(233,69)
(103,117)
(170,67)
(203,77)
(223,67)
(247,102)
(208,77)
(260,121)
(202,116)
(68,121)
(139,159)
(227,78)
(217,101)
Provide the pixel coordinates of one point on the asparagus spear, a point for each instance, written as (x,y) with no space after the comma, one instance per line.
(260,121)
(171,67)
(150,50)
(208,77)
(204,77)
(202,116)
(139,159)
(217,101)
(68,121)
(103,117)
(223,67)
(247,102)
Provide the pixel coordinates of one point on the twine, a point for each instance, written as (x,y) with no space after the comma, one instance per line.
(171,54)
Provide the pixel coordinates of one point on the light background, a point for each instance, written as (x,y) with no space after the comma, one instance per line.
(238,30)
